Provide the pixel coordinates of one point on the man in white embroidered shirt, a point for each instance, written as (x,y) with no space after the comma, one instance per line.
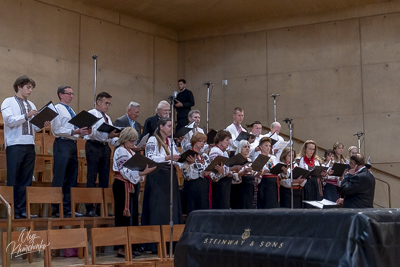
(65,166)
(97,148)
(19,137)
(235,129)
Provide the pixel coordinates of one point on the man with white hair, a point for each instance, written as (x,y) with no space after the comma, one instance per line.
(274,134)
(130,119)
(162,111)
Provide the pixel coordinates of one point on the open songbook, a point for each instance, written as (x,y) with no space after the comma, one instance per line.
(46,113)
(323,204)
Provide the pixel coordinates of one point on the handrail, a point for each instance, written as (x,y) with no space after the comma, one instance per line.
(389,195)
(8,252)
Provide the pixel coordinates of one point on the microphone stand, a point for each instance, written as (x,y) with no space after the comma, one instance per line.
(208,102)
(274,96)
(95,78)
(289,121)
(171,198)
(359,134)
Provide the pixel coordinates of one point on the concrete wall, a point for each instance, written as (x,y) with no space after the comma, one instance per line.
(53,42)
(337,74)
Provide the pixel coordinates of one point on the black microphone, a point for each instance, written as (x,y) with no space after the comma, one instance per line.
(208,83)
(358,134)
(287,120)
(94,57)
(275,95)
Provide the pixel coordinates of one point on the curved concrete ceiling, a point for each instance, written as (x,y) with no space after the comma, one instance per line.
(192,14)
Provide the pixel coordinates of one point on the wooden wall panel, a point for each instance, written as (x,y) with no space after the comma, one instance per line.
(318,46)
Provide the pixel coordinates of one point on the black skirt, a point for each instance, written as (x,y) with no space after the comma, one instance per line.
(242,195)
(156,199)
(286,196)
(221,193)
(267,195)
(198,194)
(311,189)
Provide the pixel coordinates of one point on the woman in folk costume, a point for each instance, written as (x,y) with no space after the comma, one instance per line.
(156,199)
(126,208)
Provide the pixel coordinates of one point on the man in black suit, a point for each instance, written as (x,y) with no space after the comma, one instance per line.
(358,185)
(183,104)
(162,111)
(130,119)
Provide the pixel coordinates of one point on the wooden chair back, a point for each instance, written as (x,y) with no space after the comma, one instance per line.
(112,236)
(68,238)
(87,195)
(166,235)
(8,194)
(44,195)
(108,199)
(40,168)
(3,163)
(48,142)
(146,234)
(36,239)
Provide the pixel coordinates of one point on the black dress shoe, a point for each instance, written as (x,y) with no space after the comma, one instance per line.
(68,215)
(23,215)
(91,214)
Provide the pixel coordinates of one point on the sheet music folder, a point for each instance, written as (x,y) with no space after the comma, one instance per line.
(187,154)
(338,169)
(277,169)
(109,128)
(244,136)
(138,162)
(84,119)
(238,159)
(297,172)
(259,163)
(47,113)
(217,161)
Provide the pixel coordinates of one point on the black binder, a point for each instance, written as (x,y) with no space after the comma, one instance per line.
(259,163)
(109,128)
(238,159)
(84,119)
(187,154)
(138,162)
(47,113)
(217,161)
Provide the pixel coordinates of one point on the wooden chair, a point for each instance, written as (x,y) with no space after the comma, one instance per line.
(44,195)
(68,238)
(38,242)
(81,160)
(3,163)
(112,236)
(8,193)
(165,235)
(108,199)
(87,195)
(40,168)
(146,234)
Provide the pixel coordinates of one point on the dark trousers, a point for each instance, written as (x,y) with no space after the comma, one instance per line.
(286,198)
(20,164)
(65,170)
(221,193)
(98,162)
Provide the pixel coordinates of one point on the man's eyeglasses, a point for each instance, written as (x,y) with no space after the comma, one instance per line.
(70,94)
(107,103)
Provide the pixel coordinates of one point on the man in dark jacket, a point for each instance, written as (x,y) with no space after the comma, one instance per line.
(358,185)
